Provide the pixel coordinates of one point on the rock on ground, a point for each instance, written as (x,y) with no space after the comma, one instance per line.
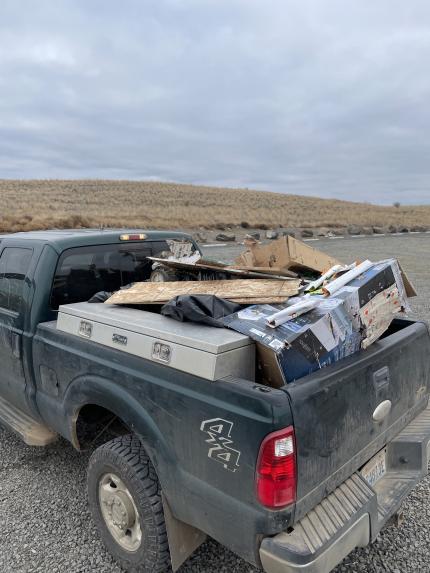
(307,233)
(224,237)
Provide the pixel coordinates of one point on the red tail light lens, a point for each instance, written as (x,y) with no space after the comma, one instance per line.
(276,477)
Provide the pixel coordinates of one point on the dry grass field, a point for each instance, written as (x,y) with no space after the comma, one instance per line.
(28,205)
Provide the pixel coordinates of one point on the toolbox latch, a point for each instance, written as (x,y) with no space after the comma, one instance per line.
(381,382)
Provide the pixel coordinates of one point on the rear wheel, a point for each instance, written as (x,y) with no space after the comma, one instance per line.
(125,501)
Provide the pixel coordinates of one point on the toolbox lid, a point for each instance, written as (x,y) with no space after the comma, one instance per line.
(202,337)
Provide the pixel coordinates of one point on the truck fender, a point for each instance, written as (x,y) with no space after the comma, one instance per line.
(183,538)
(98,391)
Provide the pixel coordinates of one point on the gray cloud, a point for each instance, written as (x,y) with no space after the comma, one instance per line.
(322,98)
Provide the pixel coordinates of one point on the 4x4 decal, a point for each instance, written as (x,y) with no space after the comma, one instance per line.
(219,440)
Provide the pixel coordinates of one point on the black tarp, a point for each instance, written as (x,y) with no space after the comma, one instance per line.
(202,308)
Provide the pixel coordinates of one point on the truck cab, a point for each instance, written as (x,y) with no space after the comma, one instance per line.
(41,270)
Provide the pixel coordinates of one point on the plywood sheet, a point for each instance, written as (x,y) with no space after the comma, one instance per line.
(246,291)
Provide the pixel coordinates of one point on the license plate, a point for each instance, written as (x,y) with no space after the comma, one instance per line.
(375,469)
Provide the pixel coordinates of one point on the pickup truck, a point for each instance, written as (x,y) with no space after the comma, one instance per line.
(192,443)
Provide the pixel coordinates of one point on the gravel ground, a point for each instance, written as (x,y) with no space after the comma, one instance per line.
(45,525)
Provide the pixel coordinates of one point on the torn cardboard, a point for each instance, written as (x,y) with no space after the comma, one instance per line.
(284,254)
(300,346)
(243,291)
(409,287)
(377,314)
(352,318)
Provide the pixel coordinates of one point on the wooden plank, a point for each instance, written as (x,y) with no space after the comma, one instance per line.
(202,264)
(250,291)
(266,271)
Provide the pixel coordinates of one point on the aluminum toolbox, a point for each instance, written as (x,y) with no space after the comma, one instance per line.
(204,351)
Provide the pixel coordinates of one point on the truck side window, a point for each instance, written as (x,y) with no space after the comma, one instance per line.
(83,271)
(14,265)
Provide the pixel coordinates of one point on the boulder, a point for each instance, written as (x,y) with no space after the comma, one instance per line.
(271,234)
(418,229)
(307,233)
(378,230)
(367,231)
(225,238)
(403,229)
(288,233)
(255,236)
(355,230)
(392,229)
(200,237)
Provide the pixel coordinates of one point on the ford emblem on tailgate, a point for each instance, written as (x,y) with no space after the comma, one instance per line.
(382,411)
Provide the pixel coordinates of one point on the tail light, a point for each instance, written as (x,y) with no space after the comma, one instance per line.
(276,477)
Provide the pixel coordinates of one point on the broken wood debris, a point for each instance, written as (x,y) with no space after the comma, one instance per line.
(219,267)
(242,291)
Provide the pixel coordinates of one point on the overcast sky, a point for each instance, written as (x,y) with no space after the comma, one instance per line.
(318,97)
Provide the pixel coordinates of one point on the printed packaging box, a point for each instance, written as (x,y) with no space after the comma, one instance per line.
(353,318)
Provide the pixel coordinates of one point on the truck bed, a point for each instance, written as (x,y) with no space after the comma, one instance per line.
(332,412)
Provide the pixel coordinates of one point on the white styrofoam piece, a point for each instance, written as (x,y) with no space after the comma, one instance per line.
(199,350)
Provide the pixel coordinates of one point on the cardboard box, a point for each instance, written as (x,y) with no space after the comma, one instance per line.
(377,314)
(375,297)
(353,318)
(286,253)
(299,346)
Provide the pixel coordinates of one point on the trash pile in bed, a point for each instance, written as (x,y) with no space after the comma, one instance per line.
(304,309)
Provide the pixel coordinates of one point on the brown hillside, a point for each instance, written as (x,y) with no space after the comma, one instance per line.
(26,205)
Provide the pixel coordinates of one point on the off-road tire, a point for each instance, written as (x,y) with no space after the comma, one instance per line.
(163,275)
(125,457)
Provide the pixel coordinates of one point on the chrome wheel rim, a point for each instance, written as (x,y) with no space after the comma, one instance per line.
(120,512)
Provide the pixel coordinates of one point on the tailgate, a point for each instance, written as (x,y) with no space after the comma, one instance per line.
(334,409)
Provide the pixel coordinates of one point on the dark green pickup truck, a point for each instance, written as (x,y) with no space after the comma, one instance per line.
(291,479)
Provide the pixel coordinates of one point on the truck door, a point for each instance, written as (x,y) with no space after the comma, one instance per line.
(15,290)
